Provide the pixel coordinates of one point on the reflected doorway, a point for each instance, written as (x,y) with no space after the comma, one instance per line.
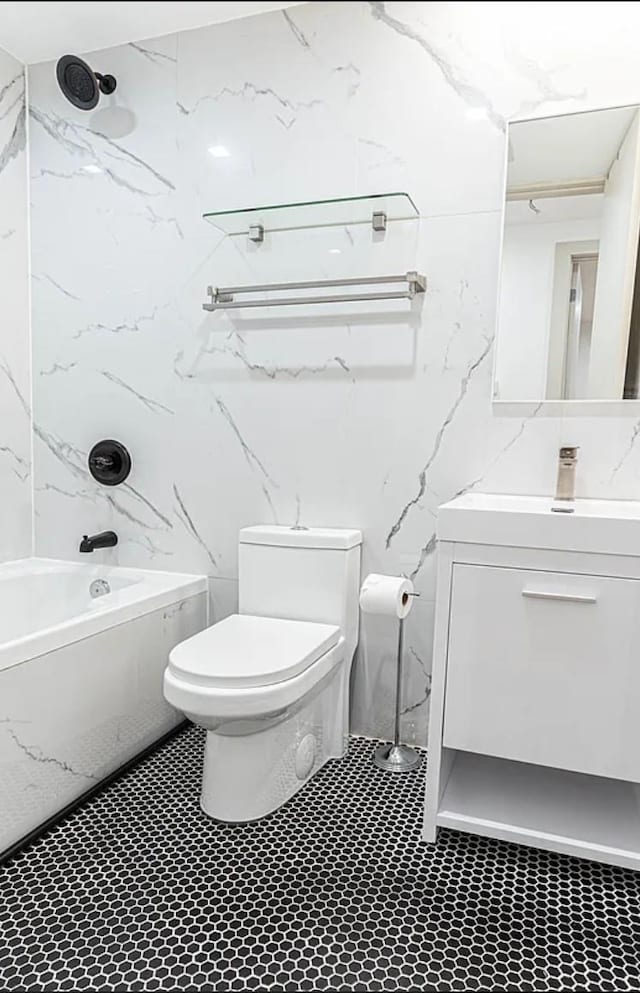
(582,298)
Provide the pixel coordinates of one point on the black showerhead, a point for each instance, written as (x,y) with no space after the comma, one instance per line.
(80,84)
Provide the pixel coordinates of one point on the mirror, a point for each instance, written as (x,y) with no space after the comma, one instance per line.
(569,300)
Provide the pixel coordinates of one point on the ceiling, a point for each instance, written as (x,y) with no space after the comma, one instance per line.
(37,32)
(566,148)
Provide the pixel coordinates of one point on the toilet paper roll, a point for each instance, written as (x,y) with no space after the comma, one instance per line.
(387,595)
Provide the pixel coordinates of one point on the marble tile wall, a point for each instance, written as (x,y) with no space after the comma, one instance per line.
(336,417)
(15,376)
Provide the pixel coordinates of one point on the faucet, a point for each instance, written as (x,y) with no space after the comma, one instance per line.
(105,539)
(566,485)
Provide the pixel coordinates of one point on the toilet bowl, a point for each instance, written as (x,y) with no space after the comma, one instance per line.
(271,684)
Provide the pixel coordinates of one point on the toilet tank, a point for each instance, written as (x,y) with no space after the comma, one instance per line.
(307,574)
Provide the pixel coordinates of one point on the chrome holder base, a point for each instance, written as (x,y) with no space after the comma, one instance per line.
(396,758)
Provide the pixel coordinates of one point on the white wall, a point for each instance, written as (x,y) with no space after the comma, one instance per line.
(526,299)
(354,419)
(15,399)
(616,270)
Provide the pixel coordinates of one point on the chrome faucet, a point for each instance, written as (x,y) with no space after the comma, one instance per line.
(566,485)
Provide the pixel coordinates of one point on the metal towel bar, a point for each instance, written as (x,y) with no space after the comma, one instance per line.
(222,298)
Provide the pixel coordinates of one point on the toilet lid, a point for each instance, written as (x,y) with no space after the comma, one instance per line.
(243,650)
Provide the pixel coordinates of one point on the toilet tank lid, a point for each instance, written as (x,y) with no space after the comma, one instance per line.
(299,537)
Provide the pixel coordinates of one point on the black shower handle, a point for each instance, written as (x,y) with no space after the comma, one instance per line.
(109,462)
(102,462)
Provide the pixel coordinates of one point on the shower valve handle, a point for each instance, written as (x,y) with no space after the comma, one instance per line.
(102,462)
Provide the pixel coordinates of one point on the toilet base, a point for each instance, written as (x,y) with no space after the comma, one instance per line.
(252,767)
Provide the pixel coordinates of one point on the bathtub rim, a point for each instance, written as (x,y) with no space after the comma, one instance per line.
(153,590)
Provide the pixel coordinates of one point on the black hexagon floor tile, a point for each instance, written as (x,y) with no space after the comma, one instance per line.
(139,890)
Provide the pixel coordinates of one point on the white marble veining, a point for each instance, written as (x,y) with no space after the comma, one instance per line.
(81,679)
(335,417)
(15,389)
(55,745)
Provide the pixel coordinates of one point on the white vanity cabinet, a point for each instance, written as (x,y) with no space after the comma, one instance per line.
(535,708)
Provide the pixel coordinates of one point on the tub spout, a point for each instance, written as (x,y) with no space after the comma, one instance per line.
(106,539)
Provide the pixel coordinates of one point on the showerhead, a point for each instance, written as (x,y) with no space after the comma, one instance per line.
(80,84)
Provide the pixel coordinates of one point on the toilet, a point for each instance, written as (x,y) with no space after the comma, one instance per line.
(271,683)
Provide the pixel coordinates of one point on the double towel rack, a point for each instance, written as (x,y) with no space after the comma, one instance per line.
(223,298)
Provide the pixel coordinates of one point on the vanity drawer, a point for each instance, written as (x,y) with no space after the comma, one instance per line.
(544,667)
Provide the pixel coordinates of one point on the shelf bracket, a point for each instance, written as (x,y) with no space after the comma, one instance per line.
(256,233)
(417,282)
(379,220)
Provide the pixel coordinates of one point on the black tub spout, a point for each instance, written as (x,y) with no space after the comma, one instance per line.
(106,539)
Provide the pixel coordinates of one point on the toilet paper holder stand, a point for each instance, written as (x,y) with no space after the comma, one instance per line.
(396,757)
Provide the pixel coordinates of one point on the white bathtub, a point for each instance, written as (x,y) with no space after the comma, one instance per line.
(81,677)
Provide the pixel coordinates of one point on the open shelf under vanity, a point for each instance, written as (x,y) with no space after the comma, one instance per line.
(588,816)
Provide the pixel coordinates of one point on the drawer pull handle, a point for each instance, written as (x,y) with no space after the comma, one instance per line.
(569,597)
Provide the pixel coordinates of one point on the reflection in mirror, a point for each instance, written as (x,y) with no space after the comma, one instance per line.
(569,306)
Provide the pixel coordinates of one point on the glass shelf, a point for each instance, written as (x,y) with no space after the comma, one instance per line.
(316,214)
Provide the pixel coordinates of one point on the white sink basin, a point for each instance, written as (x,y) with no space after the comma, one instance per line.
(605,526)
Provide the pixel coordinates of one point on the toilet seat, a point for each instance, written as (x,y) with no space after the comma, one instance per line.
(192,678)
(244,651)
